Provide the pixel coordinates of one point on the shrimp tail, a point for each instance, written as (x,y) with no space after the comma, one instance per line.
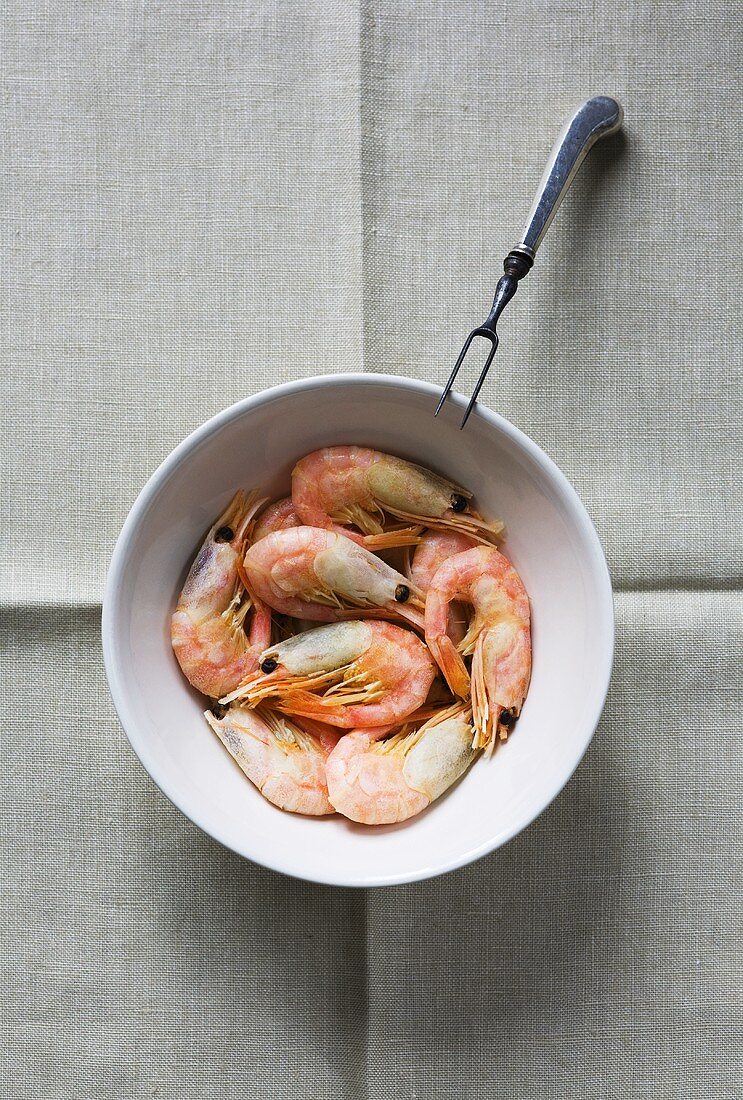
(485,717)
(451,664)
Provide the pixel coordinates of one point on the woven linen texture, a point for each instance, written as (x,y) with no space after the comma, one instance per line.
(199,200)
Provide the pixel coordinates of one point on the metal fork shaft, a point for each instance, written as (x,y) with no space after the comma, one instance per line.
(594,119)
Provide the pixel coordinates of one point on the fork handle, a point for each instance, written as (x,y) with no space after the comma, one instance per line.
(596,118)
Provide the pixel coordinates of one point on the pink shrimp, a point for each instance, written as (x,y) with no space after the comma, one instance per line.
(277,516)
(309,573)
(284,758)
(348,674)
(498,638)
(208,628)
(378,782)
(434,548)
(341,488)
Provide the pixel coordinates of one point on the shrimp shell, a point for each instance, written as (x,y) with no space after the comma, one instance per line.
(280,515)
(434,548)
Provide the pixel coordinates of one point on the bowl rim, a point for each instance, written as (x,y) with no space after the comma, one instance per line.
(111,611)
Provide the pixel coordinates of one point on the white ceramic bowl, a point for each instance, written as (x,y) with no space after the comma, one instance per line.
(550,539)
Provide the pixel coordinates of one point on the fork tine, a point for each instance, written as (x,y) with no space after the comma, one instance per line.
(480,380)
(453,375)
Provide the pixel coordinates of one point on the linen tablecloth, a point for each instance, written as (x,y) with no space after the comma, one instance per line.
(202,199)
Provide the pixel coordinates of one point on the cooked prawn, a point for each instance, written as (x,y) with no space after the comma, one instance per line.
(341,488)
(218,628)
(277,516)
(434,548)
(348,674)
(378,782)
(498,637)
(285,758)
(314,574)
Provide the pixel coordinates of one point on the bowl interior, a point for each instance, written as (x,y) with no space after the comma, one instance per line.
(550,540)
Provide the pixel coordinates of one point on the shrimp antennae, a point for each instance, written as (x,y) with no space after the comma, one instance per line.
(468,523)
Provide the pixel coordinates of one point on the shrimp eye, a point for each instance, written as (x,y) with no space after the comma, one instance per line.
(458,503)
(269,665)
(224,534)
(402,593)
(508,718)
(218,710)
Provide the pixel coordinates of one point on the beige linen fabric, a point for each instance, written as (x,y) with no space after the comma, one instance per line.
(199,200)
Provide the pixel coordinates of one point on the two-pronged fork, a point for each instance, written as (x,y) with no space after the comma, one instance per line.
(595,119)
